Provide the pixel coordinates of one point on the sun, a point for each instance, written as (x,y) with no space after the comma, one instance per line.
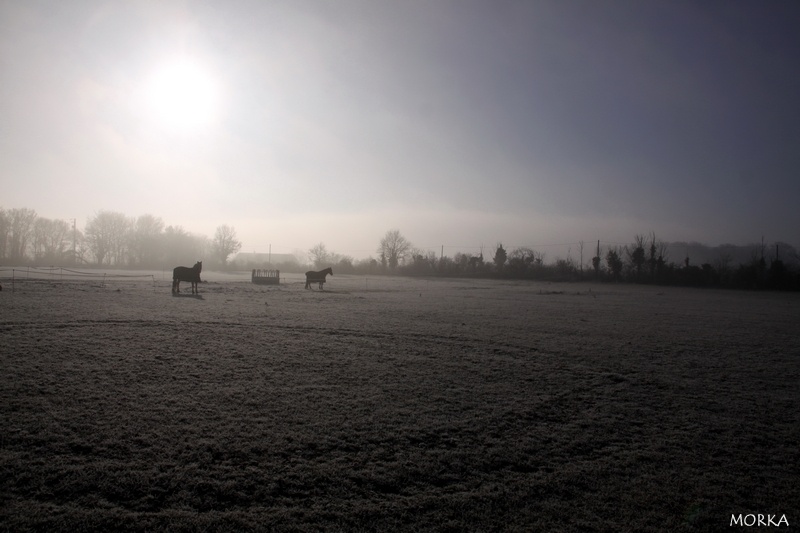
(181,95)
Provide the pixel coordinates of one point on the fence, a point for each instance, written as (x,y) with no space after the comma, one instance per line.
(16,276)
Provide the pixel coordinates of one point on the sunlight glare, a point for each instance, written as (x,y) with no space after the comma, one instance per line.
(181,95)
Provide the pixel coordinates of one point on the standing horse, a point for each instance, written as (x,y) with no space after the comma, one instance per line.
(191,275)
(317,277)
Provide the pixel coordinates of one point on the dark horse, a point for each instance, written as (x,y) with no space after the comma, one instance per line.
(186,274)
(317,277)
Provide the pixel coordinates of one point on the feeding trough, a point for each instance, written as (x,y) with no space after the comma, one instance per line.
(266,277)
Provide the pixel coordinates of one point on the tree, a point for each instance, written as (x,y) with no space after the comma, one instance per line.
(50,239)
(422,262)
(519,260)
(225,243)
(319,255)
(80,248)
(107,237)
(652,260)
(596,262)
(20,225)
(500,256)
(146,240)
(5,227)
(524,261)
(344,264)
(181,247)
(636,254)
(394,248)
(614,262)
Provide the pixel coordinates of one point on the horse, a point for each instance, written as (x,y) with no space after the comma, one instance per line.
(191,275)
(317,277)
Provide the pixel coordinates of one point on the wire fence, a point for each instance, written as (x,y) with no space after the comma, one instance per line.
(17,275)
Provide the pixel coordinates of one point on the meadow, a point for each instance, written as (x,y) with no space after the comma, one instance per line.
(394,404)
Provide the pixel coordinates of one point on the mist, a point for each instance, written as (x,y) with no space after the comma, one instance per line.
(462,124)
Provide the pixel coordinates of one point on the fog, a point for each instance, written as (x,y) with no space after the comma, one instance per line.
(460,123)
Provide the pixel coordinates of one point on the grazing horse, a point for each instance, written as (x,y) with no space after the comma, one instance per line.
(317,277)
(191,275)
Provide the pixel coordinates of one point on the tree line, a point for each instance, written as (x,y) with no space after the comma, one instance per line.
(645,260)
(113,239)
(109,239)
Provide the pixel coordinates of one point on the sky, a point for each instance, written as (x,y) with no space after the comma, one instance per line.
(461,123)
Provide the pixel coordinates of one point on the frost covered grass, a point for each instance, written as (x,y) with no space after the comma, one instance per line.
(388,404)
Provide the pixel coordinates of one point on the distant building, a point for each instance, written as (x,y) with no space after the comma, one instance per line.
(260,260)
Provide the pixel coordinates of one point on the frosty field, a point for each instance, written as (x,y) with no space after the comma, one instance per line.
(393,404)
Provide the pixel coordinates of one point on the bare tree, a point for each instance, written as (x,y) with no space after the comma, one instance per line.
(528,256)
(146,240)
(651,260)
(394,248)
(5,228)
(662,253)
(636,254)
(80,248)
(50,239)
(20,225)
(40,229)
(319,255)
(107,236)
(225,243)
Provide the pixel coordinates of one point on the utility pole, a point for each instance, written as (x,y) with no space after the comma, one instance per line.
(74,238)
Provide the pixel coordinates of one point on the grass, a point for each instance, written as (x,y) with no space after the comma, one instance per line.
(396,405)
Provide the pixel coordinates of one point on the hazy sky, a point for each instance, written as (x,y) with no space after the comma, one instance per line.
(458,122)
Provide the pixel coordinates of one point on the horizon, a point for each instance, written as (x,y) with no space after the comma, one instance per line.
(551,250)
(459,123)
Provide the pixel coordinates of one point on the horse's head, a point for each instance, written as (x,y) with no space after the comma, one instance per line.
(198,266)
